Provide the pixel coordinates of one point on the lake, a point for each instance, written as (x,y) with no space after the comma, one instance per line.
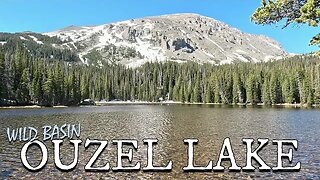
(170,124)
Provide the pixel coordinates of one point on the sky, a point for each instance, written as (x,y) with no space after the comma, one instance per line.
(49,15)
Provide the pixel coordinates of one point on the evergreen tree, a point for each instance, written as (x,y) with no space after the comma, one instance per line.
(217,98)
(29,78)
(182,93)
(58,83)
(251,89)
(298,11)
(36,87)
(23,96)
(238,89)
(208,94)
(176,89)
(266,98)
(275,89)
(196,91)
(3,89)
(48,89)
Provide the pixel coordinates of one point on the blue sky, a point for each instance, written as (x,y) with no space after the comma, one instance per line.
(49,15)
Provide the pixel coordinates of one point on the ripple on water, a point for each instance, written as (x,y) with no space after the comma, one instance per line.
(170,125)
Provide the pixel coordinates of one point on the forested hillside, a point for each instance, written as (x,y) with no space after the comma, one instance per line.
(26,78)
(36,45)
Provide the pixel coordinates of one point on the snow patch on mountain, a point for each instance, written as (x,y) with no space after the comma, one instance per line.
(35,39)
(23,38)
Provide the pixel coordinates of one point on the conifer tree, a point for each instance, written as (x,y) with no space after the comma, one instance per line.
(289,12)
(176,89)
(208,93)
(266,98)
(251,89)
(182,93)
(275,89)
(23,96)
(48,89)
(196,91)
(3,89)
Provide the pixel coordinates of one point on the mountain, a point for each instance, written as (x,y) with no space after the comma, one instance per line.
(177,37)
(49,69)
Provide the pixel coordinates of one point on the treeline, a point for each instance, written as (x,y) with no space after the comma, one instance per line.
(28,80)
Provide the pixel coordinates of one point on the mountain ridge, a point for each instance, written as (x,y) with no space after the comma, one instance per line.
(174,37)
(179,37)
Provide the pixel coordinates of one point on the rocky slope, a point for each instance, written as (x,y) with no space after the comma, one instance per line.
(177,37)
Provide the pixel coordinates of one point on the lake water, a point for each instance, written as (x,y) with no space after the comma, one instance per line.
(170,124)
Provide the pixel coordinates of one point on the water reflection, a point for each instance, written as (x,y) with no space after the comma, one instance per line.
(170,124)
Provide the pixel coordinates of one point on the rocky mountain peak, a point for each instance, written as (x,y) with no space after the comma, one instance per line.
(176,37)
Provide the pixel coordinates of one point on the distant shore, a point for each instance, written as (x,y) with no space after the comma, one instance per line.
(30,107)
(188,103)
(106,103)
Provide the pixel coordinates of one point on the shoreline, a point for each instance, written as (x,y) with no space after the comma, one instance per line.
(98,104)
(30,107)
(188,103)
